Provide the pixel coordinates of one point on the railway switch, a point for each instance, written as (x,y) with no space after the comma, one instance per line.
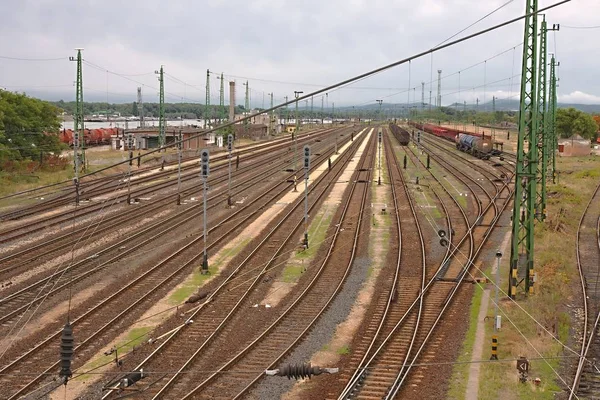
(300,371)
(66,352)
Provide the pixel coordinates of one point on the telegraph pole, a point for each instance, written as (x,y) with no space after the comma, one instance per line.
(205,171)
(207,109)
(161,108)
(222,100)
(78,132)
(247,106)
(380,101)
(439,89)
(306,170)
(322,109)
(522,239)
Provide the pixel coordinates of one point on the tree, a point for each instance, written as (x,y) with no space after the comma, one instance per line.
(134,109)
(27,126)
(571,122)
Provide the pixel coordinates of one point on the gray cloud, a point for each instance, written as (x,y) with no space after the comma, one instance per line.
(308,42)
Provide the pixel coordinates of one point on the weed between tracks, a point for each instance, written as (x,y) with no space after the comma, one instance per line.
(556,297)
(196,279)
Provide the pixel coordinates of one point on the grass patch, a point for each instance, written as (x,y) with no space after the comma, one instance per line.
(197,279)
(557,278)
(344,350)
(317,231)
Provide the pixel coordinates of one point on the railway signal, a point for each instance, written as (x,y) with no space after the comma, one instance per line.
(306,170)
(205,171)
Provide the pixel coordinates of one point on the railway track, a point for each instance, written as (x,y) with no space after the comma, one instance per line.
(586,383)
(248,176)
(162,182)
(283,328)
(116,311)
(14,304)
(92,187)
(385,367)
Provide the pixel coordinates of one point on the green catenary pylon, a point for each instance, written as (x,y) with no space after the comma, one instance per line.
(540,143)
(553,139)
(522,240)
(207,107)
(161,108)
(79,145)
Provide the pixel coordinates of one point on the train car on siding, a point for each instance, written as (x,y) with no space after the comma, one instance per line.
(478,146)
(400,134)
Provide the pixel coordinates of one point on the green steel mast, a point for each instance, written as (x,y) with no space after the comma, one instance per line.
(78,139)
(161,108)
(540,203)
(522,240)
(207,109)
(552,139)
(222,100)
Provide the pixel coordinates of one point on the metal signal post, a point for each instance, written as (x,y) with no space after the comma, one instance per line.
(306,169)
(161,108)
(229,148)
(78,131)
(205,171)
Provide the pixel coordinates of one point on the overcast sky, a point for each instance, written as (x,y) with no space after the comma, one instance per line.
(283,45)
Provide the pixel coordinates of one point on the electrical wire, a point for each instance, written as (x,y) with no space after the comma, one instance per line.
(34,59)
(580,27)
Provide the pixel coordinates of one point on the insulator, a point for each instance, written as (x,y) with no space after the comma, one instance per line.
(297,371)
(132,378)
(66,352)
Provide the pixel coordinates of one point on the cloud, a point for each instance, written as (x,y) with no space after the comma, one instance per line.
(312,42)
(578,97)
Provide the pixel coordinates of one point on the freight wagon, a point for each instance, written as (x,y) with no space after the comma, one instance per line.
(478,146)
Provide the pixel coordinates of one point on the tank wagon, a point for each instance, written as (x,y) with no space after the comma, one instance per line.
(401,135)
(478,146)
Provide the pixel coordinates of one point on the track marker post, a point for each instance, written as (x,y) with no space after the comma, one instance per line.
(205,171)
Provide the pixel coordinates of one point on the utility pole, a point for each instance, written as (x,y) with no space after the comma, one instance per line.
(311,109)
(439,91)
(207,109)
(161,108)
(222,100)
(247,106)
(272,116)
(205,171)
(322,109)
(493,117)
(430,98)
(522,239)
(332,112)
(379,139)
(552,117)
(287,114)
(379,101)
(422,97)
(140,106)
(296,95)
(130,149)
(78,131)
